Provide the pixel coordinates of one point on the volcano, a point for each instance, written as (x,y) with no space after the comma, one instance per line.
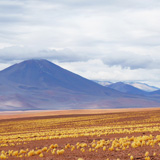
(39,84)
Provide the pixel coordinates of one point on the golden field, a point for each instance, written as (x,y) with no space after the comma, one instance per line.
(101,135)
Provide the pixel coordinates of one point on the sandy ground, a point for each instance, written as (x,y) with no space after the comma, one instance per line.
(35,113)
(138,153)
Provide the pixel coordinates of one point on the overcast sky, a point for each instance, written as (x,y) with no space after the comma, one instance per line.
(112,40)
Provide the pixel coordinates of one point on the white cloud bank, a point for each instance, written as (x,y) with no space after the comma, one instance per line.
(98,39)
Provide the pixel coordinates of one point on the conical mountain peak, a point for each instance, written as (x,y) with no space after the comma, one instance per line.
(45,74)
(30,72)
(40,84)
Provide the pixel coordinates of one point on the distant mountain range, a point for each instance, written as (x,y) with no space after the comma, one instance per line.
(42,85)
(126,88)
(141,86)
(103,83)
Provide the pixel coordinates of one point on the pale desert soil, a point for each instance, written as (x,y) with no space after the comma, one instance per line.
(26,114)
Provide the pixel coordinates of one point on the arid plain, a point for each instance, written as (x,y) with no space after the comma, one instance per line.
(120,134)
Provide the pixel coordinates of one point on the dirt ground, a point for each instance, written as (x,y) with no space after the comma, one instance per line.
(41,113)
(119,118)
(138,153)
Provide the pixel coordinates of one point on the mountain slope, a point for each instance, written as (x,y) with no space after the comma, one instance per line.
(125,88)
(40,84)
(103,83)
(156,93)
(143,86)
(44,74)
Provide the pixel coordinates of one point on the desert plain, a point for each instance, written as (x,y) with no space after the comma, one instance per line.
(111,134)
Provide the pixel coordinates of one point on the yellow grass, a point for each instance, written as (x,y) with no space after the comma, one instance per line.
(22,132)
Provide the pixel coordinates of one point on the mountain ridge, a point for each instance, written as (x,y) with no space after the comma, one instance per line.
(40,84)
(139,85)
(46,74)
(126,88)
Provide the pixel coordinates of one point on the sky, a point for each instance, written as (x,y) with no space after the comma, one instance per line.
(106,40)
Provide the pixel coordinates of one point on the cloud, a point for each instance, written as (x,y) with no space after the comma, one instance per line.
(23,53)
(71,24)
(112,58)
(129,60)
(97,70)
(121,36)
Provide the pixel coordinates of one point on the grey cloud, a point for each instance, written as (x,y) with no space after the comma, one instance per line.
(122,33)
(129,60)
(123,59)
(23,53)
(40,13)
(120,3)
(8,9)
(10,19)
